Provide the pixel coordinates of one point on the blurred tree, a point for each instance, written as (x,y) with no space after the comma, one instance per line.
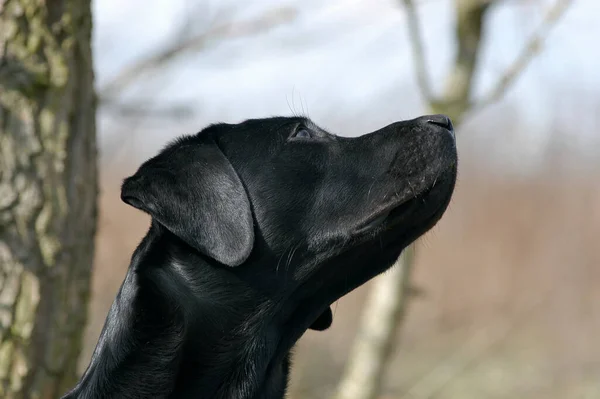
(386,306)
(48,188)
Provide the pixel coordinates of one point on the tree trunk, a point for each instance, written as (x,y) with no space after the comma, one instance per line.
(373,347)
(48,188)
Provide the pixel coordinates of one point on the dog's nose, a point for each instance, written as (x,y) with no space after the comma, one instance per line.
(440,120)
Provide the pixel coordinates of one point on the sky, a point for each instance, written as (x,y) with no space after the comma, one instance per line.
(347,63)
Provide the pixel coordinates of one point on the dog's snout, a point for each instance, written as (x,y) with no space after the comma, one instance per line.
(439,120)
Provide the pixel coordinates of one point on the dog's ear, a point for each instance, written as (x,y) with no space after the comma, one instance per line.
(323,322)
(193,190)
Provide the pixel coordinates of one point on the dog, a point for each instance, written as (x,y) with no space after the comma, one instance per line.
(256,229)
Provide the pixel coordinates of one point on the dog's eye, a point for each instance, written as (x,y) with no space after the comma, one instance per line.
(303,133)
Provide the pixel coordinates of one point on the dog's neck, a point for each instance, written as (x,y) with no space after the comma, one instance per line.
(166,337)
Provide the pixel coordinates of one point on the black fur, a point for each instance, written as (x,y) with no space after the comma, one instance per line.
(256,229)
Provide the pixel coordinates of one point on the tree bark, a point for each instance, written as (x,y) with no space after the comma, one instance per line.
(48,189)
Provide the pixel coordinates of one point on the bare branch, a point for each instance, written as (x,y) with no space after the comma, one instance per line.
(225,31)
(416,40)
(530,50)
(149,110)
(470,17)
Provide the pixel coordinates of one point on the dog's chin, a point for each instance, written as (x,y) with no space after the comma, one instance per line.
(386,236)
(408,222)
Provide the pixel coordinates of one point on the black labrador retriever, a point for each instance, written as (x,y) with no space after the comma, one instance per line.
(256,229)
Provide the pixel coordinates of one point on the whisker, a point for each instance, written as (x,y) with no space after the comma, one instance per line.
(371,188)
(291,256)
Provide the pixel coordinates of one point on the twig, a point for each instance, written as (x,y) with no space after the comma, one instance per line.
(469,355)
(530,50)
(195,43)
(416,40)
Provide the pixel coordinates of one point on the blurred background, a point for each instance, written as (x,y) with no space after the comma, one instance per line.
(506,287)
(509,281)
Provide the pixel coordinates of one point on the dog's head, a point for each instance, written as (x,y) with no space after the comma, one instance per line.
(298,214)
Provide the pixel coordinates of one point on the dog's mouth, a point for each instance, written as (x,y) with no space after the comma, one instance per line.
(395,213)
(373,222)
